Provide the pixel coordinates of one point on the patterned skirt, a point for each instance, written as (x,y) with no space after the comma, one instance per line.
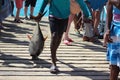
(113,49)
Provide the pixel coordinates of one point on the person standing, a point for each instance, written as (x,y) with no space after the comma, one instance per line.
(32,4)
(112,37)
(96,7)
(66,38)
(5,11)
(12,5)
(19,5)
(77,23)
(59,12)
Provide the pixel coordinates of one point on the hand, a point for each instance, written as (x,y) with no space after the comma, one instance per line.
(107,38)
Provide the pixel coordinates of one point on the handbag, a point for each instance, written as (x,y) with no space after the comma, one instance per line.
(74,7)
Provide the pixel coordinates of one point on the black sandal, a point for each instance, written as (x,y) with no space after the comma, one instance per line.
(18,21)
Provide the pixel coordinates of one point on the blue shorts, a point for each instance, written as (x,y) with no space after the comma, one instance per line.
(97,4)
(113,49)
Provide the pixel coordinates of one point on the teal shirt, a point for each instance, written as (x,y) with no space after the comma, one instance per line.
(61,8)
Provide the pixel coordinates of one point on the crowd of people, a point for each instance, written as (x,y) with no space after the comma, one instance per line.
(60,19)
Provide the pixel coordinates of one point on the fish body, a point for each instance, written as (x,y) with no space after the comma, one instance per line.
(36,44)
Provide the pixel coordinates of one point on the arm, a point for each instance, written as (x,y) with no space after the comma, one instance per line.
(109,15)
(43,5)
(41,14)
(108,23)
(84,8)
(115,3)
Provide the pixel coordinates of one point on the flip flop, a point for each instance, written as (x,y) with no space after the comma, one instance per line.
(67,42)
(70,40)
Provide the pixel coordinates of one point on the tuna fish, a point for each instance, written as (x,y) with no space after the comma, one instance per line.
(36,44)
(37,40)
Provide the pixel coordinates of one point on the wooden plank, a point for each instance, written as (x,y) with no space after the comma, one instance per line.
(80,61)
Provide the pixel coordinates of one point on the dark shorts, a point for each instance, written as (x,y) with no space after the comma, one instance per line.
(97,4)
(30,2)
(58,25)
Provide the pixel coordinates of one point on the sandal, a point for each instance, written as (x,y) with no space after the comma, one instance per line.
(85,38)
(67,42)
(54,69)
(18,21)
(70,40)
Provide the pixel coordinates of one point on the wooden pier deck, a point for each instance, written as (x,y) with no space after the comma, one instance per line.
(80,61)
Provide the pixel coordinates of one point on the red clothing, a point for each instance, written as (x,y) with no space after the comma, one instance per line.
(19,3)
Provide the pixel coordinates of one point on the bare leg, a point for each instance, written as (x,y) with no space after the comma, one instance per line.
(17,13)
(66,37)
(55,42)
(17,18)
(31,10)
(114,71)
(25,11)
(96,22)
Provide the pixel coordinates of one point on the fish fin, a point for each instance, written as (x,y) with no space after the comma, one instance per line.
(29,37)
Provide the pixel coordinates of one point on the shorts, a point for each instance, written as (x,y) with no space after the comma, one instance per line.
(97,5)
(113,49)
(30,2)
(19,3)
(58,25)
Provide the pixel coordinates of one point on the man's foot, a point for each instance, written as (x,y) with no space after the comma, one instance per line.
(104,44)
(67,42)
(69,39)
(54,69)
(96,32)
(26,18)
(18,21)
(85,38)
